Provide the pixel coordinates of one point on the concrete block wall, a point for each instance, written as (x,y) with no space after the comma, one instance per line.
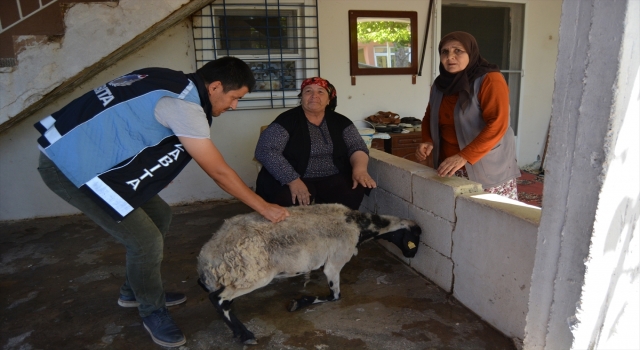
(493,259)
(477,246)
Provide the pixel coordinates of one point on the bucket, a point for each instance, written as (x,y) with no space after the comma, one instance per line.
(367,140)
(366,130)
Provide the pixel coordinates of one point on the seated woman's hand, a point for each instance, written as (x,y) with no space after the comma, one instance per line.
(423,150)
(450,165)
(363,178)
(300,192)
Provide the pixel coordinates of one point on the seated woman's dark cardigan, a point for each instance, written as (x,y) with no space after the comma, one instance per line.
(298,148)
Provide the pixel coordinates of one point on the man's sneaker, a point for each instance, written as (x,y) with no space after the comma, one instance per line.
(171,300)
(162,329)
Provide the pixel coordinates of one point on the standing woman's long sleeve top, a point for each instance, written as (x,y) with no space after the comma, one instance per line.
(494,101)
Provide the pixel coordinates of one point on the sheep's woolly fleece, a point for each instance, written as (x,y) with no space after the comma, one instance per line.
(235,256)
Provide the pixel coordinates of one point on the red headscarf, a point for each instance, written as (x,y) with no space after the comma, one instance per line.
(331,90)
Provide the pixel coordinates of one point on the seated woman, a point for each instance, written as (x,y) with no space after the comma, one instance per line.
(311,153)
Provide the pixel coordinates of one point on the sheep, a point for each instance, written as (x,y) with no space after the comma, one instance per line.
(248,252)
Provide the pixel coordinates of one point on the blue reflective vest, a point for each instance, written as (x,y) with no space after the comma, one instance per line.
(109,144)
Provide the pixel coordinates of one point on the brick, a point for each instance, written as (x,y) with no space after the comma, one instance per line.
(437,194)
(394,173)
(389,204)
(434,266)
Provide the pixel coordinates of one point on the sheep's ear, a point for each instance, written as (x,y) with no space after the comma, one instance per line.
(362,220)
(379,222)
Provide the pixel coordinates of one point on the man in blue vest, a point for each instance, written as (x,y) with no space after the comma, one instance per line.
(111,151)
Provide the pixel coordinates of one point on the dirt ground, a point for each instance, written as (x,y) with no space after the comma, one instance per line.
(60,277)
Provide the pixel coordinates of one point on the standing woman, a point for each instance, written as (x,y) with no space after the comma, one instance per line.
(466,124)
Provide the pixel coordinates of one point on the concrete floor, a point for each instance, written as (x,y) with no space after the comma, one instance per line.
(59,280)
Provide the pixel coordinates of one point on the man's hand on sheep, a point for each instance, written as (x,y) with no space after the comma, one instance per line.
(274,212)
(299,192)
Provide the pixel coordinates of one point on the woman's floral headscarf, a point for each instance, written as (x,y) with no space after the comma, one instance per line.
(331,90)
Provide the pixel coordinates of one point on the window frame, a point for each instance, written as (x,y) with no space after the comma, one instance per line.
(303,59)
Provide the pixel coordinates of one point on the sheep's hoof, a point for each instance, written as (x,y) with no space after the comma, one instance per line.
(247,337)
(293,305)
(252,341)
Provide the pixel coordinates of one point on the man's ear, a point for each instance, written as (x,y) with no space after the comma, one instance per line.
(214,86)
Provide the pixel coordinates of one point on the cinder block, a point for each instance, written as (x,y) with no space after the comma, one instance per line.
(394,174)
(494,244)
(438,194)
(436,232)
(434,266)
(374,163)
(390,204)
(369,202)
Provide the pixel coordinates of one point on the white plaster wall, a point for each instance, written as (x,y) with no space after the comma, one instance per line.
(22,192)
(235,133)
(371,93)
(93,31)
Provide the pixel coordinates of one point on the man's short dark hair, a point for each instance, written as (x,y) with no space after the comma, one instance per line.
(232,72)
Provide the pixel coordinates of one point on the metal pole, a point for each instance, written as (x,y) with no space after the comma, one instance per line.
(426,35)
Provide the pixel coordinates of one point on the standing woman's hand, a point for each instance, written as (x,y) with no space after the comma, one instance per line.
(450,165)
(423,150)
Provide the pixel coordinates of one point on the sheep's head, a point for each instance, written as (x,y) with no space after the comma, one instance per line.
(405,234)
(406,237)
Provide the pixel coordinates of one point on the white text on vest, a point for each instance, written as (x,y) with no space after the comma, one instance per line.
(104,94)
(165,161)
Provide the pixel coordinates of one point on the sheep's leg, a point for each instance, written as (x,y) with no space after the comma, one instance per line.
(307,279)
(333,277)
(238,328)
(223,306)
(332,272)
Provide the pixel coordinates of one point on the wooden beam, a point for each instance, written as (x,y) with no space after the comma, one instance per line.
(107,61)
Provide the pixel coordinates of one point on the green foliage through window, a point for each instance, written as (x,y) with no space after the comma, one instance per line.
(384,31)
